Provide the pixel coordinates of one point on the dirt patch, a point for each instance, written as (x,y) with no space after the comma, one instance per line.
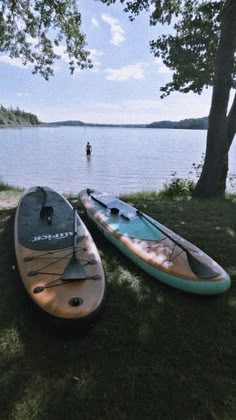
(9,199)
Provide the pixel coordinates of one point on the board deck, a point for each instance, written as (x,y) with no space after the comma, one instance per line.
(58,261)
(152,246)
(115,205)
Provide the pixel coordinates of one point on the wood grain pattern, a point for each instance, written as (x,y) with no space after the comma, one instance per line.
(43,267)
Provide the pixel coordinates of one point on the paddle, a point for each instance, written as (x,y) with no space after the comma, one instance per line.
(74,269)
(198,267)
(113,210)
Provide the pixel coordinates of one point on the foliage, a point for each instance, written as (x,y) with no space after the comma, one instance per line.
(6,187)
(34,31)
(178,187)
(17,117)
(232,180)
(184,187)
(186,124)
(190,50)
(197,168)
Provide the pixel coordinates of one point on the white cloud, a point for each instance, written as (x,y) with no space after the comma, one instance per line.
(130,108)
(144,111)
(131,71)
(61,51)
(133,111)
(13,61)
(20,94)
(94,55)
(164,70)
(161,67)
(123,112)
(95,23)
(31,40)
(157,60)
(117,32)
(119,112)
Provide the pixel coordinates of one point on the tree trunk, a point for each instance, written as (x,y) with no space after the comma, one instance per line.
(212,182)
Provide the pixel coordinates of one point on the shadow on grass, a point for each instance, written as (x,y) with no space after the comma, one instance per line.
(155,353)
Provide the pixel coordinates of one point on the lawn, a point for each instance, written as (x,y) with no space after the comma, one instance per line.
(154,353)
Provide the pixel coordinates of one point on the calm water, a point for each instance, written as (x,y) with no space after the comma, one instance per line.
(123,160)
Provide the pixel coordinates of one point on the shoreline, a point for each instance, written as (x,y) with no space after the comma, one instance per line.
(9,199)
(19,126)
(161,125)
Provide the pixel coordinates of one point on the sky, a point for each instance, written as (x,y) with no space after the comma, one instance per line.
(122,88)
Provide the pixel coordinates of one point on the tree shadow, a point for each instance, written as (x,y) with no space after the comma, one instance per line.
(155,352)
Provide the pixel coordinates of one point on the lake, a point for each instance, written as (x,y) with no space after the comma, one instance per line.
(123,160)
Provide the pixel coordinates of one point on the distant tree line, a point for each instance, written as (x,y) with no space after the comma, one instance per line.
(10,116)
(188,124)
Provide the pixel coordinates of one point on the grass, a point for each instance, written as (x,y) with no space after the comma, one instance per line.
(155,352)
(4,186)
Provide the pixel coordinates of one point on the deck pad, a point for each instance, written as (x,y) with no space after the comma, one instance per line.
(35,233)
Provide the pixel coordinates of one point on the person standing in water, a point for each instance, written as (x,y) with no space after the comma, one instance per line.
(88,149)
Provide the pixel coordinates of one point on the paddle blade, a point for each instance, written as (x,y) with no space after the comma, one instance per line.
(200,269)
(74,270)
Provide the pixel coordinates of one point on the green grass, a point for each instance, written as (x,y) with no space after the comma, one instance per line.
(155,352)
(4,186)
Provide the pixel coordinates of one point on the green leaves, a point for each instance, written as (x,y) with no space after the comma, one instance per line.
(31,31)
(190,48)
(190,53)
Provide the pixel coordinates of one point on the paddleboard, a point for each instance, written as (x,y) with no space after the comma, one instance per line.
(152,246)
(57,259)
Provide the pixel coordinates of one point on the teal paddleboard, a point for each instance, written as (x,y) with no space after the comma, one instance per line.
(153,247)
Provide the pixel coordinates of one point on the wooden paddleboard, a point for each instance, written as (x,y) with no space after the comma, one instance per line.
(58,261)
(152,246)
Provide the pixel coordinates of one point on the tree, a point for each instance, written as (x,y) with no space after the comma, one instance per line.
(200,53)
(31,29)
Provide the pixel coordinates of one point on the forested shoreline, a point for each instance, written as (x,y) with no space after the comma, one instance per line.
(17,117)
(186,124)
(13,117)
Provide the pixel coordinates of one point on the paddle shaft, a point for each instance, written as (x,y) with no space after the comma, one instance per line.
(164,233)
(75,230)
(98,201)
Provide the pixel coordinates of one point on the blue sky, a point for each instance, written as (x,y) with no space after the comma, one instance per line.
(123,86)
